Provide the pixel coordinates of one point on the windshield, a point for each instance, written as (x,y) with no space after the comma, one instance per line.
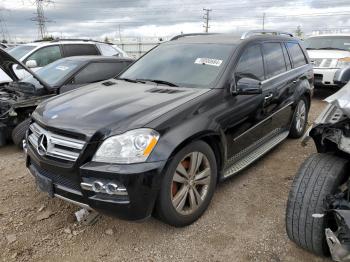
(54,73)
(328,42)
(19,51)
(190,65)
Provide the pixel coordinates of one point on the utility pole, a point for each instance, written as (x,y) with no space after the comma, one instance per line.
(206,19)
(120,35)
(263,25)
(40,17)
(3,26)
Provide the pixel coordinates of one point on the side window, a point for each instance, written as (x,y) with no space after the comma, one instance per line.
(46,55)
(95,72)
(274,59)
(77,50)
(107,50)
(286,57)
(250,64)
(296,54)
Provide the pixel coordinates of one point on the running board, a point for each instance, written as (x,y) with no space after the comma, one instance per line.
(255,154)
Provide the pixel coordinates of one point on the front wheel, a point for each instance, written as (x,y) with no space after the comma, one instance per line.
(300,118)
(19,133)
(188,185)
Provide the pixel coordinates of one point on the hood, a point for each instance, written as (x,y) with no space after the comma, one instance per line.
(7,62)
(327,54)
(341,99)
(111,107)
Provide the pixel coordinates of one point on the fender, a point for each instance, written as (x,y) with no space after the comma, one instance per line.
(342,76)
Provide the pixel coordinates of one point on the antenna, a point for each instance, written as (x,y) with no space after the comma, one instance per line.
(40,17)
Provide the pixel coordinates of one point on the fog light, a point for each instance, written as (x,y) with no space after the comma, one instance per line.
(97,186)
(111,188)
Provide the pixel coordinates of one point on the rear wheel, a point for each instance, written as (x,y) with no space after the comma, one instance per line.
(19,133)
(319,176)
(188,185)
(300,118)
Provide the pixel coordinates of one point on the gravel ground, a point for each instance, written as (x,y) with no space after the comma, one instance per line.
(245,221)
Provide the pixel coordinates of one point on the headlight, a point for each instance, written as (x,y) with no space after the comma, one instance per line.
(343,62)
(131,147)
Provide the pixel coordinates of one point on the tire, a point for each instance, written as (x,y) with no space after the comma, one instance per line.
(295,130)
(19,133)
(170,189)
(319,176)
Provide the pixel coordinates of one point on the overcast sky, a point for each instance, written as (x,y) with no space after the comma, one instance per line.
(98,18)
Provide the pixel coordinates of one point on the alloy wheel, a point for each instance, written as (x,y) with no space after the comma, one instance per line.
(301,116)
(190,184)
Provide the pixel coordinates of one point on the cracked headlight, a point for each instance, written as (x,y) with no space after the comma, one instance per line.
(131,147)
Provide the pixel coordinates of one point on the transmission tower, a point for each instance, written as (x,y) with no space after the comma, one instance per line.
(40,17)
(206,19)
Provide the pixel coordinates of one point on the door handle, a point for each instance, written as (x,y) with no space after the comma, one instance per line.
(268,97)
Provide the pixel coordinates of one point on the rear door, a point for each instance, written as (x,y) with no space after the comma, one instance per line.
(277,89)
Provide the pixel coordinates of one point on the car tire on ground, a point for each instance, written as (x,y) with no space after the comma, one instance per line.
(300,118)
(188,185)
(319,176)
(19,132)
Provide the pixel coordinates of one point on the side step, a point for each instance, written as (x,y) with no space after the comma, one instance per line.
(255,154)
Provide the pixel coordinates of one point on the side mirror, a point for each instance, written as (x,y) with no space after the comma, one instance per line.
(248,86)
(31,64)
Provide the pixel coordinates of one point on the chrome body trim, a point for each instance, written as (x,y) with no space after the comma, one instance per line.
(57,146)
(73,202)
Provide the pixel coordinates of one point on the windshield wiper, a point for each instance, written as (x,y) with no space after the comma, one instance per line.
(130,80)
(157,81)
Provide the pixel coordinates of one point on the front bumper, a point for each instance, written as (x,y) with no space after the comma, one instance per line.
(325,76)
(141,181)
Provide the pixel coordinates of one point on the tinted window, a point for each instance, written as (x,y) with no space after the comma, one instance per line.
(19,51)
(77,50)
(95,72)
(191,65)
(250,64)
(108,50)
(46,55)
(296,54)
(274,59)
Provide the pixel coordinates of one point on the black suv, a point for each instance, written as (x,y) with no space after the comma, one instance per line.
(188,114)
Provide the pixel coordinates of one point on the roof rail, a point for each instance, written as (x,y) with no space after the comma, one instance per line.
(77,39)
(191,34)
(264,32)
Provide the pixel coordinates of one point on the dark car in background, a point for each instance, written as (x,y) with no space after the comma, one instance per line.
(192,112)
(18,98)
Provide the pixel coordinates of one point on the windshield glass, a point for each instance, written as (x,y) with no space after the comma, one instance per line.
(190,65)
(19,51)
(53,73)
(328,42)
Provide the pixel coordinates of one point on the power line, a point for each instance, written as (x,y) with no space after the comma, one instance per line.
(206,19)
(40,17)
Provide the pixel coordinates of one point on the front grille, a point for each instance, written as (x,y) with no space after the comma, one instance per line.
(57,179)
(54,145)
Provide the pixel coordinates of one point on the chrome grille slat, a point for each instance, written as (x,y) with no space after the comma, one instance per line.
(71,147)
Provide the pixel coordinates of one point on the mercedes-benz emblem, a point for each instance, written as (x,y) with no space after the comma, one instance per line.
(42,145)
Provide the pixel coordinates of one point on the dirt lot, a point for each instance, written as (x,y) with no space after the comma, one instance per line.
(245,221)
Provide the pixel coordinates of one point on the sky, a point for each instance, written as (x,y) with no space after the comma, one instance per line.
(161,18)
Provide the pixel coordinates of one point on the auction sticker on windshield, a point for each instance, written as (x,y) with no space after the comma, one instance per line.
(208,61)
(62,68)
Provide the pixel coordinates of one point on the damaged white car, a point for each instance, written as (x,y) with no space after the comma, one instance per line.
(318,208)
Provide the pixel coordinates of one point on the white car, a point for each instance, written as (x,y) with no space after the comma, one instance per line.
(330,55)
(39,54)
